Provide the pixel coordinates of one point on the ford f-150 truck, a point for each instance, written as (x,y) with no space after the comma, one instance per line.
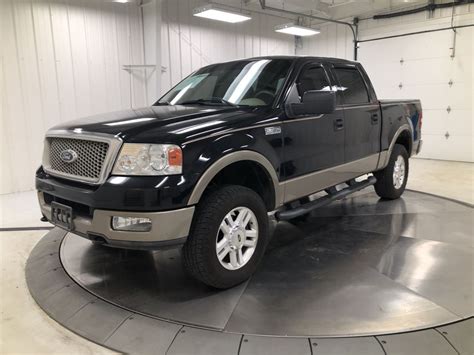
(227,147)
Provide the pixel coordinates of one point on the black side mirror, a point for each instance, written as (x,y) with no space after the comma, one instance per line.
(315,102)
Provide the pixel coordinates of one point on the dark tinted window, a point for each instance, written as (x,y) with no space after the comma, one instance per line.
(352,86)
(312,78)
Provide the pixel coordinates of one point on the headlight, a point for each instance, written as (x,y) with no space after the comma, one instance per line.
(149,159)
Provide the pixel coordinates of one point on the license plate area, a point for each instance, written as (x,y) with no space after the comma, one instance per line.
(62,215)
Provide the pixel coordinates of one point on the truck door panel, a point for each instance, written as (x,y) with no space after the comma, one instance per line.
(362,116)
(312,143)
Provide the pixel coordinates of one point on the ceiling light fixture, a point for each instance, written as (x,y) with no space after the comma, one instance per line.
(213,13)
(295,30)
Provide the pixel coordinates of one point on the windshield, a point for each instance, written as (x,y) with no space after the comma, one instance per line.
(247,83)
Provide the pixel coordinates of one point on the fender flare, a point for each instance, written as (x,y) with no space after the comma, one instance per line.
(385,155)
(226,160)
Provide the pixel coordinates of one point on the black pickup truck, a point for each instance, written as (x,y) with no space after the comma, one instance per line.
(227,147)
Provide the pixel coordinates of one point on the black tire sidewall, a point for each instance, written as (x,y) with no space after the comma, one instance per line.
(210,213)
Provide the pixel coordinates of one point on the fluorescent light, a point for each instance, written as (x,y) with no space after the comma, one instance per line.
(213,13)
(292,29)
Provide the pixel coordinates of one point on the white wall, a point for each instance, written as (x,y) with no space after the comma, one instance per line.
(60,60)
(189,42)
(424,73)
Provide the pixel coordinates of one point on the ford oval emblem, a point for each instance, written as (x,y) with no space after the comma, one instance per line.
(68,155)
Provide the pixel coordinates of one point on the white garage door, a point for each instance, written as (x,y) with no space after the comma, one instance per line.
(420,66)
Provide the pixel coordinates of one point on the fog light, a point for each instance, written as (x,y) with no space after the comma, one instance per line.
(131,224)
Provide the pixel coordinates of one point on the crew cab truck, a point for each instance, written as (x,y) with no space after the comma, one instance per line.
(231,144)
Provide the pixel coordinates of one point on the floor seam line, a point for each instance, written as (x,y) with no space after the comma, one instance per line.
(418,294)
(381,345)
(174,338)
(236,304)
(240,343)
(117,327)
(445,338)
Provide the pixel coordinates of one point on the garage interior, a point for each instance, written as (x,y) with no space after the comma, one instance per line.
(369,277)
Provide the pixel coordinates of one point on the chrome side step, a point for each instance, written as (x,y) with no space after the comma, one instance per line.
(332,195)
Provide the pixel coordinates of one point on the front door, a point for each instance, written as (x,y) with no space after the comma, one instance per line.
(311,143)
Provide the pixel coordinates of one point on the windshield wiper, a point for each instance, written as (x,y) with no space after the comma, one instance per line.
(212,100)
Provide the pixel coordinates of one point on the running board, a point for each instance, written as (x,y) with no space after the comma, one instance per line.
(352,187)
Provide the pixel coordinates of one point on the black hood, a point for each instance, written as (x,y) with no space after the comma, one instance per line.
(164,124)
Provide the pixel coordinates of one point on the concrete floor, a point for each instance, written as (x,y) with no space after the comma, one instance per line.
(25,328)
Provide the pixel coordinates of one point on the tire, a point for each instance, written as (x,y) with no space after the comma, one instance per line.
(387,186)
(200,250)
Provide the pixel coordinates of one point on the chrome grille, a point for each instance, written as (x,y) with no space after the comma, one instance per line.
(91,156)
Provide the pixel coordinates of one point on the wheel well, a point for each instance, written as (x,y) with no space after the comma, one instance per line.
(249,174)
(405,139)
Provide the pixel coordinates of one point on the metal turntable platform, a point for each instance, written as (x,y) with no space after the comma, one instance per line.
(361,276)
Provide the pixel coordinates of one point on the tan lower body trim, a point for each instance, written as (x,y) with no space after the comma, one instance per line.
(166,225)
(311,183)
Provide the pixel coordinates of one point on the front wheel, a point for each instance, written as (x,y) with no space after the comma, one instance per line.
(228,237)
(392,180)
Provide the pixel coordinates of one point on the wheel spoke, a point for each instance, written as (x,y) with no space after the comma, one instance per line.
(246,220)
(250,242)
(251,233)
(226,224)
(240,257)
(242,217)
(222,249)
(233,258)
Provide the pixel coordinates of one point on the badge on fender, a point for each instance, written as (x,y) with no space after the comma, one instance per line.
(272,130)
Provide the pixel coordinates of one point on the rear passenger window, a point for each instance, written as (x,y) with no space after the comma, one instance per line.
(352,86)
(312,78)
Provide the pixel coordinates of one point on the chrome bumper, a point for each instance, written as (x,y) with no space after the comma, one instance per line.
(168,227)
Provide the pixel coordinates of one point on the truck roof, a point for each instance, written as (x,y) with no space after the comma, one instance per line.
(300,57)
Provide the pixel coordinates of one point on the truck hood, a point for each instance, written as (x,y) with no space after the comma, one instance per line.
(163,124)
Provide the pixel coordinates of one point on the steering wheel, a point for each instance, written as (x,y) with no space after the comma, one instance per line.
(265,95)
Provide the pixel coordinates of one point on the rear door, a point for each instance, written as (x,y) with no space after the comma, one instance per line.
(362,117)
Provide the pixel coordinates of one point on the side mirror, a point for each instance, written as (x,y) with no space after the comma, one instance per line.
(315,102)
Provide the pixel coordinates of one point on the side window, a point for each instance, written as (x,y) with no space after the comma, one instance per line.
(352,85)
(312,78)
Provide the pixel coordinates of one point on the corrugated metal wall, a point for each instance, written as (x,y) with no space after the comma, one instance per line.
(61,60)
(418,66)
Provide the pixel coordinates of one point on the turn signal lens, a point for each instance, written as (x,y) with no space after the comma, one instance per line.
(175,157)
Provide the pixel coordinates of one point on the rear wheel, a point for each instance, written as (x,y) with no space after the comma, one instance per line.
(392,180)
(228,237)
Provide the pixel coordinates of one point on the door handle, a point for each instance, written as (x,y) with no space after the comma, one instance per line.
(338,124)
(374,118)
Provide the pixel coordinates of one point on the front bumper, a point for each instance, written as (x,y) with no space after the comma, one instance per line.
(168,227)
